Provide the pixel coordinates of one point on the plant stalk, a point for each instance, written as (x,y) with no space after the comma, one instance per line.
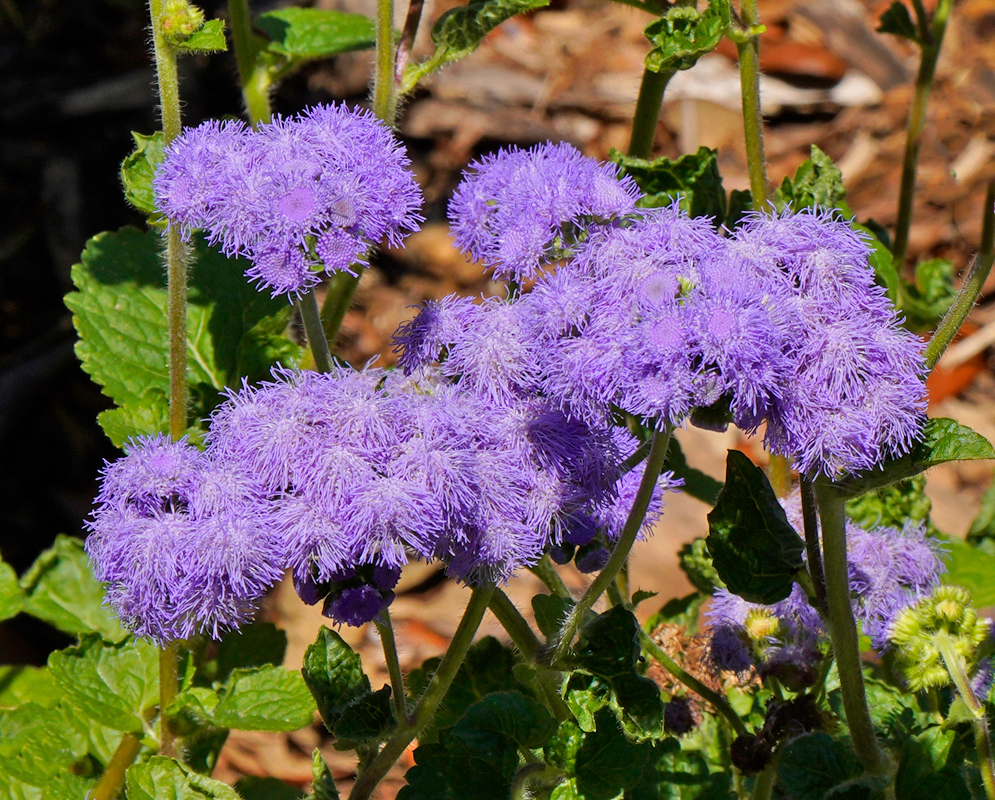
(930,53)
(644,121)
(813,552)
(955,665)
(176,310)
(311,316)
(753,122)
(544,570)
(764,785)
(386,630)
(124,756)
(843,631)
(692,683)
(633,524)
(254,77)
(429,702)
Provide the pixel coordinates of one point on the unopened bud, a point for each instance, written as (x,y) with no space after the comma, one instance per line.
(180,20)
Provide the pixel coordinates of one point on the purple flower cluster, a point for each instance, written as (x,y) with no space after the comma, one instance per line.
(518,208)
(297,196)
(178,546)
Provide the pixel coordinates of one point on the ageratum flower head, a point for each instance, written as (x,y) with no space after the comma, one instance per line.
(515,209)
(854,393)
(298,196)
(177,544)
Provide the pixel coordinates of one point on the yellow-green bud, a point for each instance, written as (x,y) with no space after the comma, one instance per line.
(180,20)
(761,625)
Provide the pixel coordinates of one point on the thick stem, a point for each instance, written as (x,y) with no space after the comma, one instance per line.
(169,686)
(546,572)
(764,785)
(384,94)
(810,520)
(843,632)
(973,284)
(753,122)
(633,524)
(341,288)
(311,316)
(254,77)
(957,669)
(386,630)
(408,729)
(696,686)
(647,112)
(112,780)
(917,121)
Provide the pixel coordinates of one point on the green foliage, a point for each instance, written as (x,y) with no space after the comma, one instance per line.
(755,550)
(693,180)
(138,170)
(21,684)
(607,762)
(550,612)
(982,531)
(39,743)
(304,34)
(608,648)
(488,668)
(677,774)
(696,563)
(683,35)
(12,597)
(926,771)
(459,32)
(971,568)
(817,182)
(112,684)
(815,766)
(925,301)
(119,311)
(210,38)
(891,506)
(881,261)
(943,440)
(162,778)
(896,20)
(322,781)
(479,756)
(253,788)
(351,711)
(696,483)
(264,698)
(60,589)
(678,611)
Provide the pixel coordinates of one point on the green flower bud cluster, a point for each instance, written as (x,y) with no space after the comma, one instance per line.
(181,20)
(944,620)
(696,562)
(891,506)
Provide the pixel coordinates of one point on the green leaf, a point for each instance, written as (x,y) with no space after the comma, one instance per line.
(693,180)
(896,20)
(816,183)
(192,716)
(550,611)
(162,778)
(585,697)
(681,611)
(62,591)
(561,750)
(253,788)
(754,548)
(696,483)
(696,563)
(677,774)
(971,568)
(813,764)
(459,32)
(683,35)
(488,667)
(333,673)
(12,598)
(322,782)
(138,169)
(256,645)
(925,301)
(209,39)
(112,684)
(303,34)
(21,684)
(943,440)
(265,699)
(740,201)
(983,526)
(924,772)
(37,743)
(607,762)
(608,648)
(119,311)
(885,272)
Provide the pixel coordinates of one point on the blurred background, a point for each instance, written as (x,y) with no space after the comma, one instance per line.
(76,78)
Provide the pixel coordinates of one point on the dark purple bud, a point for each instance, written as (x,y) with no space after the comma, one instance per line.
(678,716)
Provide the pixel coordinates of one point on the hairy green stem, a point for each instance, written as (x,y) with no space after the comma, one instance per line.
(633,524)
(429,702)
(530,647)
(810,521)
(917,121)
(533,777)
(764,785)
(252,74)
(311,316)
(753,122)
(124,756)
(386,630)
(647,113)
(692,683)
(958,311)
(169,687)
(843,631)
(957,668)
(544,570)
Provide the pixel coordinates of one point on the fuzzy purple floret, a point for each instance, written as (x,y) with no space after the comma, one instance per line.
(514,209)
(297,196)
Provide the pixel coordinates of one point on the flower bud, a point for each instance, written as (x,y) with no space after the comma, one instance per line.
(181,20)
